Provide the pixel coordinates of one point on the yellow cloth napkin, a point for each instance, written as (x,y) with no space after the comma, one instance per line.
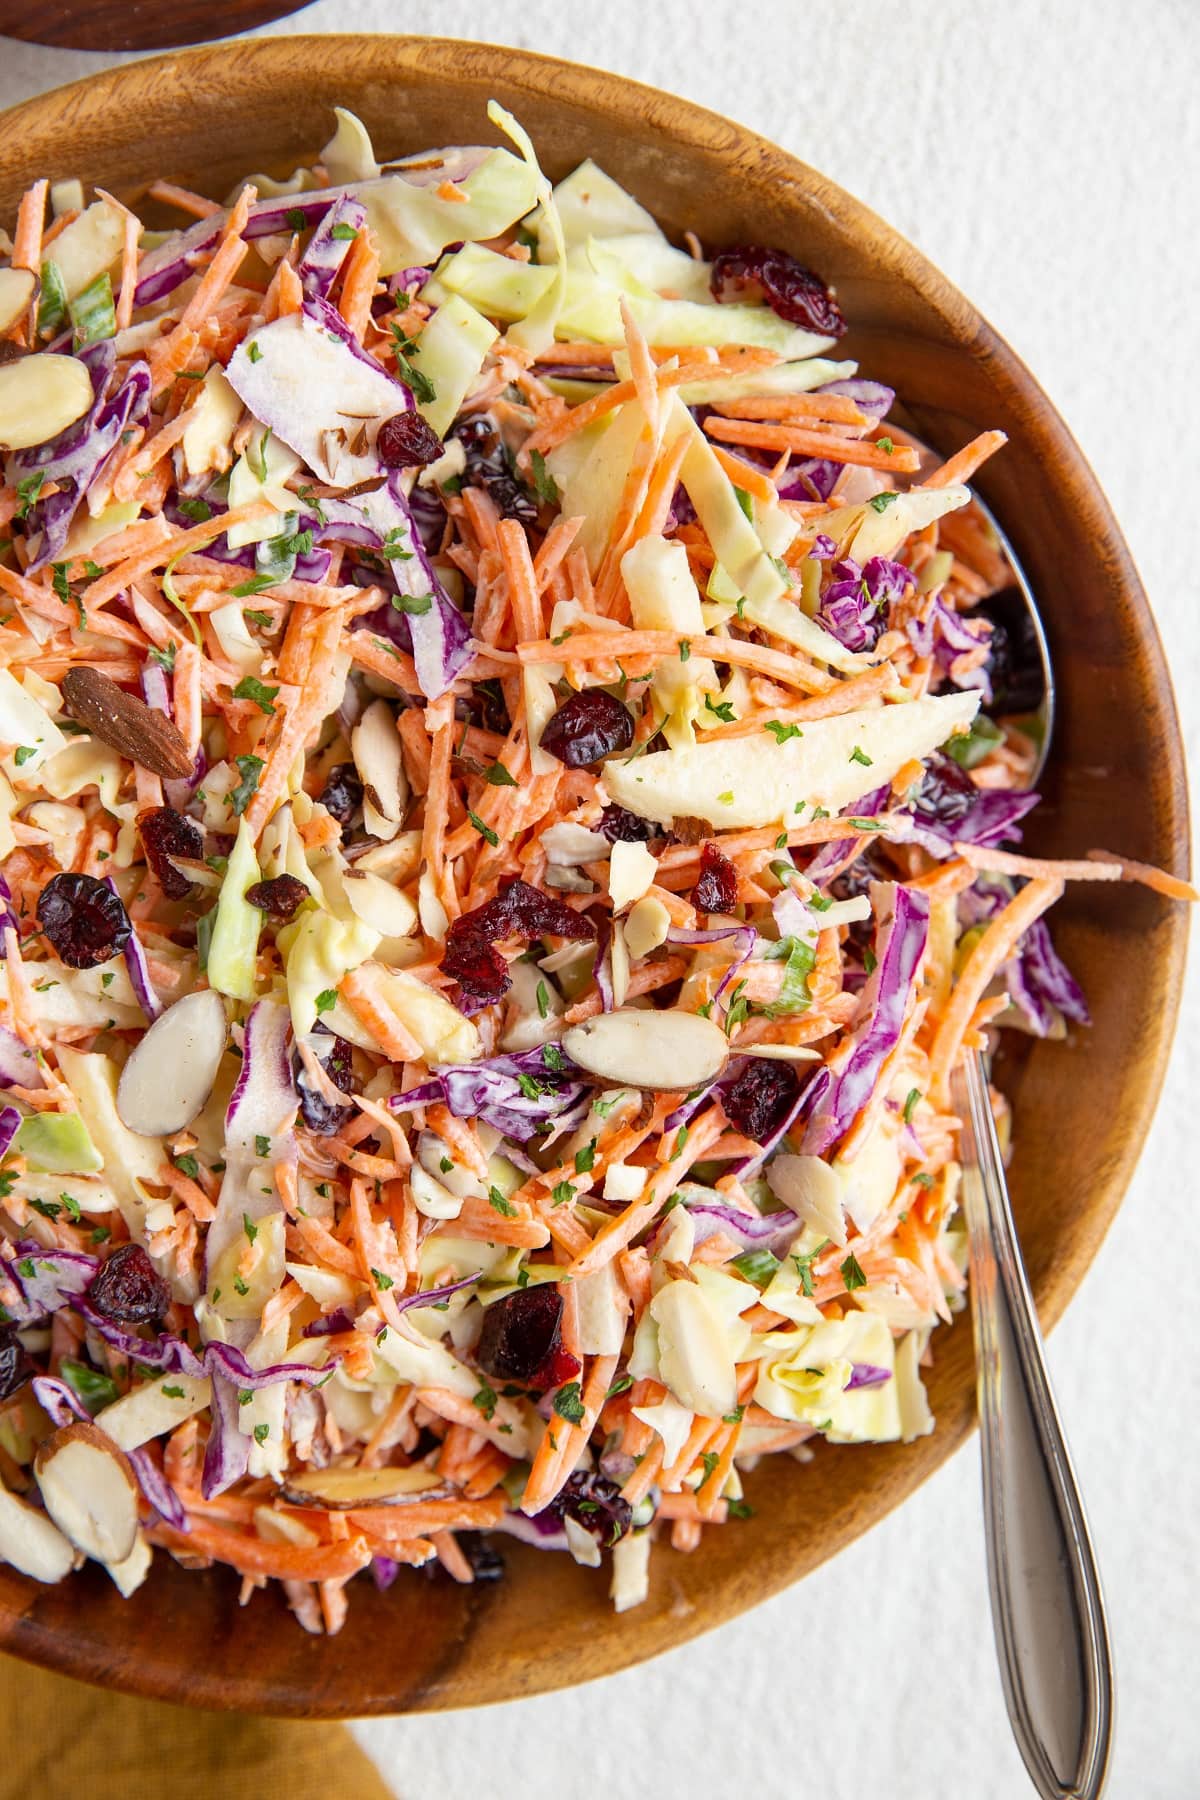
(63,1739)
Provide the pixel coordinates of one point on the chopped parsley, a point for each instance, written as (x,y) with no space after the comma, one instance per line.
(710,1459)
(498,1203)
(859,755)
(250,768)
(562,1193)
(852,1273)
(325,1001)
(248,1225)
(485,831)
(880,502)
(620,1386)
(685,650)
(416,605)
(343,233)
(544,483)
(423,390)
(804,1267)
(23,752)
(382,1282)
(781,732)
(585,1158)
(910,1104)
(187,1165)
(250,688)
(485,1400)
(262,1145)
(28,490)
(262,1433)
(568,1403)
(498,776)
(543,1000)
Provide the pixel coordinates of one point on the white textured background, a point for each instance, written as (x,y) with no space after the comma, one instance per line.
(1045,153)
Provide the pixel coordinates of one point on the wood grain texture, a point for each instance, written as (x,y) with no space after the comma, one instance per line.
(135,24)
(1116,779)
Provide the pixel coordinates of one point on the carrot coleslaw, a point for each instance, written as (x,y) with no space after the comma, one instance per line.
(510,767)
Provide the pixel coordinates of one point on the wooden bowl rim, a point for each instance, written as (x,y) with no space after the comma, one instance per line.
(244,64)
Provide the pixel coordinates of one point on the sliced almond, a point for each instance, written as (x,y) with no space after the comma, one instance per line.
(123,721)
(375,746)
(133,1569)
(646,927)
(170,1074)
(31,1542)
(39,397)
(386,909)
(16,291)
(279,1527)
(339,1488)
(90,1491)
(667,1050)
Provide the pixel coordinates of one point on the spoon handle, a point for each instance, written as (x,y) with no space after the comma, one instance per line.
(1047,1606)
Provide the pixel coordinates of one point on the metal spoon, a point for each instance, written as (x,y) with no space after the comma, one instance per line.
(1047,1605)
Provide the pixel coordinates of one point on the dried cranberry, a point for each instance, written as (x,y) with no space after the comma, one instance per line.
(486,707)
(518,910)
(15,1365)
(621,827)
(342,794)
(758,1102)
(596,1503)
(521,1338)
(751,272)
(1014,662)
(83,919)
(407,441)
(588,727)
(687,829)
(167,834)
(281,896)
(489,466)
(129,1287)
(716,888)
(486,1564)
(323,1117)
(946,793)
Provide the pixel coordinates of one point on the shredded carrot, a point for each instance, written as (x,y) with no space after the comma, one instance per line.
(406,1141)
(900,460)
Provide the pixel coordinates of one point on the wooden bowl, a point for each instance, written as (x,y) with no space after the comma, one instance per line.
(1116,780)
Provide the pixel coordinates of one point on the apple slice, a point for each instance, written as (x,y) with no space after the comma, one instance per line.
(16,291)
(753,781)
(90,1492)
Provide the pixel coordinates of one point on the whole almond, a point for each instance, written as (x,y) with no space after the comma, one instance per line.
(126,723)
